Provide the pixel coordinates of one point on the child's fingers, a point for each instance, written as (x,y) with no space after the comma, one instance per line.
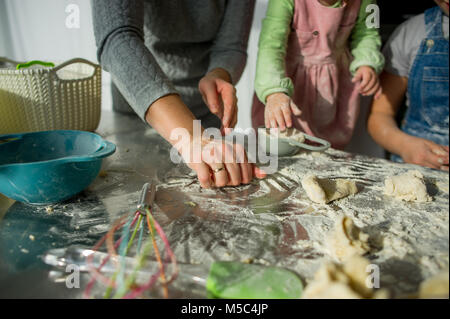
(280,119)
(366,83)
(442,153)
(295,109)
(378,93)
(273,121)
(433,160)
(371,87)
(372,90)
(287,115)
(358,77)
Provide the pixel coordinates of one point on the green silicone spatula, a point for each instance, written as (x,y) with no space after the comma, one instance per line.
(235,280)
(223,279)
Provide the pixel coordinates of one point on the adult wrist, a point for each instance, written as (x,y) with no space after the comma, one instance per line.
(173,120)
(220,73)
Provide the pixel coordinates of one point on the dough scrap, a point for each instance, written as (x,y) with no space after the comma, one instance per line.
(343,281)
(323,191)
(347,240)
(290,133)
(435,287)
(408,187)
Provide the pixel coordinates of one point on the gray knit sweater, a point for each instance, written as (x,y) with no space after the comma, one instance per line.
(153,48)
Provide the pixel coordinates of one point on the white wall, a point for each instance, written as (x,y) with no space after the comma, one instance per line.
(245,86)
(31,29)
(5,37)
(37,30)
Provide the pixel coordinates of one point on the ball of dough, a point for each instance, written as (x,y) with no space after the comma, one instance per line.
(343,281)
(408,187)
(347,240)
(435,287)
(323,190)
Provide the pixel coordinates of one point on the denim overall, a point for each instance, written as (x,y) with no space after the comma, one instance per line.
(428,112)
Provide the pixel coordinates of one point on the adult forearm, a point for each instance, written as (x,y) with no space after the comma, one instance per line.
(119,35)
(169,113)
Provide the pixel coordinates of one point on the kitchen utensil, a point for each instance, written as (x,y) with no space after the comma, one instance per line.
(48,167)
(289,146)
(121,284)
(224,279)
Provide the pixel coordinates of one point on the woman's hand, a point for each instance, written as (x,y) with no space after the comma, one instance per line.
(217,163)
(221,163)
(220,96)
(369,83)
(423,152)
(278,111)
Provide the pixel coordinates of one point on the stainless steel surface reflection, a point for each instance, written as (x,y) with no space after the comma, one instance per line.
(269,221)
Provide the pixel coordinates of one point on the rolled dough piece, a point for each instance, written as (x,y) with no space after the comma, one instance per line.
(435,287)
(323,191)
(343,281)
(347,240)
(408,187)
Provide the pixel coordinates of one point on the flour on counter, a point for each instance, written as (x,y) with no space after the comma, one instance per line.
(272,221)
(408,240)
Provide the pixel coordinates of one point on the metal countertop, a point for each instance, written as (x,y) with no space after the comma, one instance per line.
(270,221)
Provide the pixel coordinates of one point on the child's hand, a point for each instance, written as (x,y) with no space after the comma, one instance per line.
(425,153)
(368,81)
(278,111)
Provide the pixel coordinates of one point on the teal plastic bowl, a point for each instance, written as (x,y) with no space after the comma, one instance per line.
(47,167)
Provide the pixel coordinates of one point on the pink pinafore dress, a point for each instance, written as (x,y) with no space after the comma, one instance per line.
(317,60)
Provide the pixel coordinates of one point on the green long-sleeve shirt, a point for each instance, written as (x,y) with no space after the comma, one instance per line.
(365,44)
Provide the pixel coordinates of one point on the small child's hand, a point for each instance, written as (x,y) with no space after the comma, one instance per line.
(423,152)
(369,83)
(278,111)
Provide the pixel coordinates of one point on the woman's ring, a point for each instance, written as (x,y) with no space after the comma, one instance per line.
(217,170)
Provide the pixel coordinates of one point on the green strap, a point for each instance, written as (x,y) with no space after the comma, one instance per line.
(30,63)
